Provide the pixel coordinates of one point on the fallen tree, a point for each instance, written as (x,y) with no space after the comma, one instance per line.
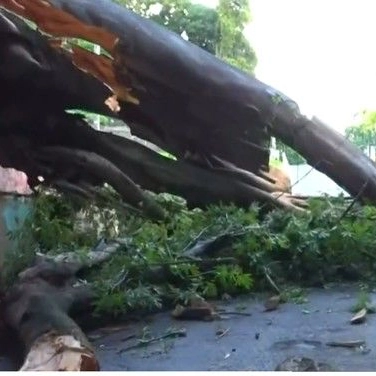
(214,118)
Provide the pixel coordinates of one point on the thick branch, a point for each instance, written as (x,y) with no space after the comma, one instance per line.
(103,169)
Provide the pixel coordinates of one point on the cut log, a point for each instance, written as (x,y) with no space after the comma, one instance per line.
(38,309)
(55,352)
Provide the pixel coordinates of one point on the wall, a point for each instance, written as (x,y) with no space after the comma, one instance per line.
(13,210)
(314,183)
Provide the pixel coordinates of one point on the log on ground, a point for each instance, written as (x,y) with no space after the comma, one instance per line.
(38,308)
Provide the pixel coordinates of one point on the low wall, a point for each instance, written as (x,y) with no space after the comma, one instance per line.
(13,211)
(310,182)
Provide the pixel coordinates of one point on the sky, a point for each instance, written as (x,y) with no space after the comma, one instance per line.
(320,53)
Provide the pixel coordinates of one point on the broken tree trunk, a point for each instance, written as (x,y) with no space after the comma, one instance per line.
(38,308)
(215,119)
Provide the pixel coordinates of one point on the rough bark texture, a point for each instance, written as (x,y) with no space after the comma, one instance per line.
(214,118)
(38,308)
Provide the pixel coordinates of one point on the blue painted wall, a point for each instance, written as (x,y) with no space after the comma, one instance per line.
(13,211)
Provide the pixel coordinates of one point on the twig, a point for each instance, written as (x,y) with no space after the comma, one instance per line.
(270,280)
(301,178)
(307,173)
(216,243)
(276,198)
(223,333)
(233,312)
(352,203)
(347,344)
(195,239)
(199,261)
(127,338)
(143,342)
(122,276)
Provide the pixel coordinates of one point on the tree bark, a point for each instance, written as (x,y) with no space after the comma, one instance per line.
(38,308)
(214,118)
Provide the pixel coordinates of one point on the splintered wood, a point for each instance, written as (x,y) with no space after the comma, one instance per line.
(113,104)
(59,23)
(101,67)
(53,352)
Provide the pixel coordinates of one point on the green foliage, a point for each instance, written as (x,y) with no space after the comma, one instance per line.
(231,279)
(233,47)
(363,301)
(294,294)
(274,162)
(218,31)
(90,117)
(363,134)
(150,270)
(293,157)
(56,224)
(196,20)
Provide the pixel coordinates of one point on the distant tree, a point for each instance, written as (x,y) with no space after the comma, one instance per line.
(363,134)
(219,31)
(233,47)
(293,157)
(198,22)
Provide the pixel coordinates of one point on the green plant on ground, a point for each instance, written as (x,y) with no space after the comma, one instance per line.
(253,251)
(295,295)
(363,301)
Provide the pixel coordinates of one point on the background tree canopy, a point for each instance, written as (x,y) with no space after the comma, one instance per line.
(363,134)
(293,157)
(217,30)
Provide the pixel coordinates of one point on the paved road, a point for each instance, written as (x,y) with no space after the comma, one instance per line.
(258,342)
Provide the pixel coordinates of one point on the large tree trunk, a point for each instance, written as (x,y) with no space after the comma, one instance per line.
(214,118)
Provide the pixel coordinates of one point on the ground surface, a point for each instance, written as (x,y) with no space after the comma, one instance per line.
(258,342)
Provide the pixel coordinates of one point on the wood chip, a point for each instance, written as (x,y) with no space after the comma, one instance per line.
(272,303)
(113,104)
(221,332)
(360,317)
(198,309)
(193,313)
(53,352)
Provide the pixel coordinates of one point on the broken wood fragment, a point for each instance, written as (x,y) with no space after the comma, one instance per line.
(347,344)
(272,303)
(359,317)
(54,352)
(198,309)
(58,22)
